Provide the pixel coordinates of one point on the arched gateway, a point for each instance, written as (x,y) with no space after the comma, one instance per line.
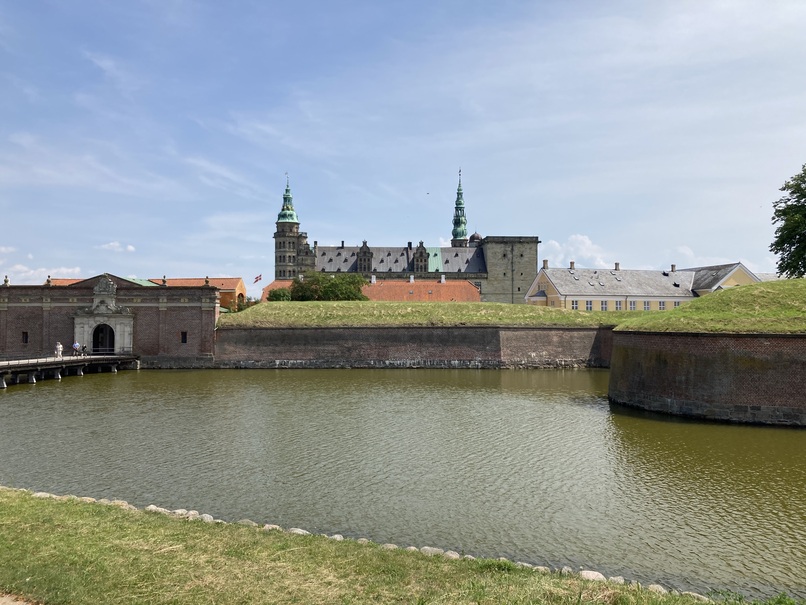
(107,327)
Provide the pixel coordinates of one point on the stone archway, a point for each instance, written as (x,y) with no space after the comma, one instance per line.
(103,340)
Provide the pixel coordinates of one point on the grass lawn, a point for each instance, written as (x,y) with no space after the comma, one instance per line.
(369,313)
(69,551)
(769,307)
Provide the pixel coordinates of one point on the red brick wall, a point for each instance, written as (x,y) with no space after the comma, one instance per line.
(489,347)
(160,316)
(732,377)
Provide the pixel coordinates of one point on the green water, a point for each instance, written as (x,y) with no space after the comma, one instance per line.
(531,465)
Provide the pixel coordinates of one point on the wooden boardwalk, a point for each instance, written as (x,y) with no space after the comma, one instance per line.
(40,368)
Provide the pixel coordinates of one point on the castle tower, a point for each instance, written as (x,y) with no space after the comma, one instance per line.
(286,238)
(459,233)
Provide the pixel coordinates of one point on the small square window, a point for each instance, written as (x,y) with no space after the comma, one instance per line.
(604,305)
(184,337)
(676,303)
(589,305)
(575,305)
(662,305)
(632,305)
(618,305)
(647,306)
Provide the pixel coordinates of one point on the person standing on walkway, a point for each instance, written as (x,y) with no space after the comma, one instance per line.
(59,349)
(76,348)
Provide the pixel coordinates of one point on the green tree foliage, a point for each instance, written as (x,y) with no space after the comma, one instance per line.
(278,295)
(319,286)
(790,235)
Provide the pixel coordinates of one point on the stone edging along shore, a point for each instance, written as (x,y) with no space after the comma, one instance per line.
(192,515)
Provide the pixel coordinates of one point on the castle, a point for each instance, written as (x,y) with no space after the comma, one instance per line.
(501,267)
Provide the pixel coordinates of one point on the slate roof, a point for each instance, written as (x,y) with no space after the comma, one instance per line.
(708,278)
(589,283)
(333,259)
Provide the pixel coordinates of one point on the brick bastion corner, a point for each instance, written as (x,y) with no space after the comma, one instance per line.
(747,378)
(412,347)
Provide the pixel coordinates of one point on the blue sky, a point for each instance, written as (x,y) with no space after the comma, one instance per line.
(152,137)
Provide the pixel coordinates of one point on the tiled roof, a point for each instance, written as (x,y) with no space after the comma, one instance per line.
(452,290)
(222,283)
(404,290)
(63,281)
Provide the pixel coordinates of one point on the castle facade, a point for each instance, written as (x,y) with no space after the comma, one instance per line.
(501,267)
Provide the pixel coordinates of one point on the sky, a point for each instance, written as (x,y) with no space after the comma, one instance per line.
(153,137)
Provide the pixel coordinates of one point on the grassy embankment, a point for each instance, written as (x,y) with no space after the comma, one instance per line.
(69,551)
(777,307)
(769,307)
(368,313)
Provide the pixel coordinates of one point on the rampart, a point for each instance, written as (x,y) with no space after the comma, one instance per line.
(412,347)
(750,378)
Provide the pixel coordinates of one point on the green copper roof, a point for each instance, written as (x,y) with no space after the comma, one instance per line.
(459,220)
(287,214)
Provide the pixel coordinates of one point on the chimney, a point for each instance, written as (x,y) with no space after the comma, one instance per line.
(674,268)
(409,245)
(442,279)
(411,279)
(572,265)
(618,267)
(545,263)
(372,278)
(342,243)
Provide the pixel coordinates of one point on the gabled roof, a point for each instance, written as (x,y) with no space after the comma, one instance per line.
(589,283)
(91,281)
(711,277)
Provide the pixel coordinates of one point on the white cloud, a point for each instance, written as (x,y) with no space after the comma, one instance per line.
(24,275)
(116,247)
(6,249)
(578,248)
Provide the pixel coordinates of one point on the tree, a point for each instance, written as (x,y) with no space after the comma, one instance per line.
(319,286)
(790,235)
(279,294)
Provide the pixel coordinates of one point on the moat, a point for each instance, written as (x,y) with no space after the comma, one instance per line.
(534,466)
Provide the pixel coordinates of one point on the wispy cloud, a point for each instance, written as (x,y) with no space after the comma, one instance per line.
(124,81)
(116,247)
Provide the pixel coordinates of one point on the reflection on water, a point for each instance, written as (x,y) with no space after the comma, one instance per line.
(531,465)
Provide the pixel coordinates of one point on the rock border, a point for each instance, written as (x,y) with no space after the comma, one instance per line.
(429,551)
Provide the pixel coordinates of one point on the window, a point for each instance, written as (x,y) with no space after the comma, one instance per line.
(604,305)
(589,305)
(618,305)
(632,305)
(575,305)
(676,304)
(184,338)
(646,305)
(25,338)
(661,305)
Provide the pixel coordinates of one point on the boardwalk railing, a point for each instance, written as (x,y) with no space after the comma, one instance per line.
(55,367)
